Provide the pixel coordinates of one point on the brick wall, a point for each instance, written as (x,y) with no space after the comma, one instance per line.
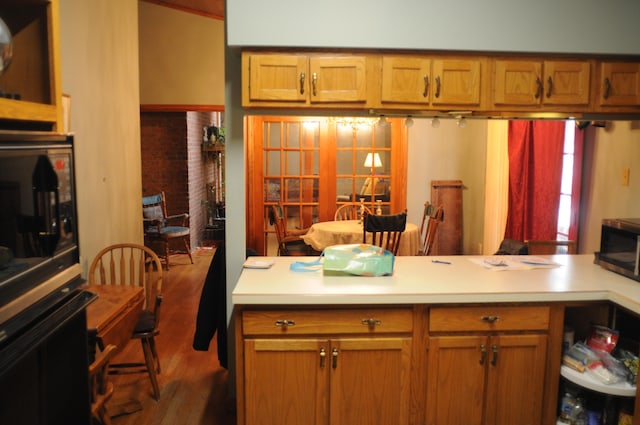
(173,162)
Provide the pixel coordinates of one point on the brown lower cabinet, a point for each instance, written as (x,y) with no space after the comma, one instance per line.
(486,364)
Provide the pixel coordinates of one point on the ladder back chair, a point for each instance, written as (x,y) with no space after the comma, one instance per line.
(349,211)
(159,227)
(136,265)
(384,231)
(290,242)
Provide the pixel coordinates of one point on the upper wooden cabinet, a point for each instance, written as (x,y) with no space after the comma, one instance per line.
(619,84)
(31,83)
(539,83)
(304,80)
(438,83)
(431,82)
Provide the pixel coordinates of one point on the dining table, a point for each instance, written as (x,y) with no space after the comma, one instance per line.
(338,232)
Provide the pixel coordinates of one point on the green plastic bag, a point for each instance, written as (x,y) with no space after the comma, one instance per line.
(358,260)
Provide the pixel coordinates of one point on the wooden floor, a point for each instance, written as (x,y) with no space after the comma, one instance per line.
(193,385)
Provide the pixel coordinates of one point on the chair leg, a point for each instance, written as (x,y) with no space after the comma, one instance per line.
(151,367)
(154,352)
(187,245)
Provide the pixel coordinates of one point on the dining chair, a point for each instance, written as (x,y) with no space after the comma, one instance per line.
(350,211)
(290,242)
(431,218)
(136,265)
(550,247)
(163,228)
(100,387)
(384,231)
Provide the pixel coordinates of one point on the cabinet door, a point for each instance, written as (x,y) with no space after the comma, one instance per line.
(405,79)
(338,79)
(278,78)
(515,383)
(455,82)
(620,84)
(566,82)
(517,82)
(370,381)
(456,380)
(286,381)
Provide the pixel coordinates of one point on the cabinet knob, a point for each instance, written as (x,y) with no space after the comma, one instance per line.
(539,88)
(323,355)
(425,93)
(437,86)
(607,88)
(371,322)
(550,88)
(314,83)
(494,360)
(483,353)
(302,78)
(490,319)
(284,323)
(334,358)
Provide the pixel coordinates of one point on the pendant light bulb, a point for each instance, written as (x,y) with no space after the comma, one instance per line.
(408,122)
(435,122)
(462,122)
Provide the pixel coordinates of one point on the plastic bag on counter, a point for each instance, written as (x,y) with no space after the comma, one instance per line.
(357,259)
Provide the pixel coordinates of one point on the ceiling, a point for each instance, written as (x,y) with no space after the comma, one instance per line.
(212,8)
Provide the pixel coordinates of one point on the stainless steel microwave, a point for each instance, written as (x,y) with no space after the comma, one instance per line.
(620,246)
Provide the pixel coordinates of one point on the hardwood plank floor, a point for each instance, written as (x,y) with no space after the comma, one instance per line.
(193,386)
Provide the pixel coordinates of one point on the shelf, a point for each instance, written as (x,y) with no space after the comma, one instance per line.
(623,389)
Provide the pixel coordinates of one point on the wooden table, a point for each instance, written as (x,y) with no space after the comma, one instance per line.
(327,233)
(115,313)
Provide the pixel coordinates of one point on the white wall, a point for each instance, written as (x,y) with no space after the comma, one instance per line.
(565,26)
(99,61)
(449,153)
(609,151)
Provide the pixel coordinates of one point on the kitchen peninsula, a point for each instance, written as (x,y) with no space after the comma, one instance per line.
(431,344)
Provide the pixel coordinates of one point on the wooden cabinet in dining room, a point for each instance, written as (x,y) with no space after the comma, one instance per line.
(619,85)
(304,80)
(541,84)
(318,367)
(431,82)
(486,365)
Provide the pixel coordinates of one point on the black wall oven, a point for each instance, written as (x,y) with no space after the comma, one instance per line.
(43,335)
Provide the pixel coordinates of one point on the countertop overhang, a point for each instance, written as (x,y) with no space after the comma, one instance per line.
(418,280)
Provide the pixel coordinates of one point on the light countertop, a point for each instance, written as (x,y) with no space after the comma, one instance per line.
(418,280)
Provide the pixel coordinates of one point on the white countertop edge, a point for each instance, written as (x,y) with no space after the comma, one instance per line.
(357,299)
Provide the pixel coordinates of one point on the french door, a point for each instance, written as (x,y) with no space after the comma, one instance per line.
(312,165)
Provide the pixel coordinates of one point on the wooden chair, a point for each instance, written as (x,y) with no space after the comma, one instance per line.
(100,387)
(384,230)
(349,211)
(431,218)
(290,242)
(163,228)
(137,265)
(550,247)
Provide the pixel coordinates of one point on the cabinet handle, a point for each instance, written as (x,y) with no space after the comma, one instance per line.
(494,360)
(490,319)
(550,88)
(539,88)
(437,86)
(334,358)
(483,353)
(302,77)
(323,355)
(425,93)
(284,323)
(314,83)
(607,88)
(371,322)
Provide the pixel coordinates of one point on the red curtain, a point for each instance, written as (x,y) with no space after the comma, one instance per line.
(535,172)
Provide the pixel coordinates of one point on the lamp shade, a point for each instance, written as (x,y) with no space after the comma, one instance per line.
(373,160)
